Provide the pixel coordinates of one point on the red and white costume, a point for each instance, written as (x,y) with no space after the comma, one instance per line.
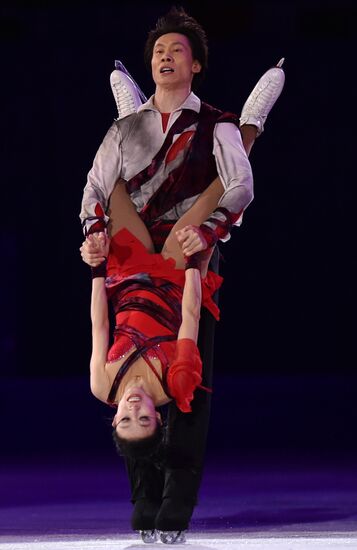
(146,292)
(166,170)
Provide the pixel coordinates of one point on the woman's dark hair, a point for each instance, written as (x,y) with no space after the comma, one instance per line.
(177,20)
(139,448)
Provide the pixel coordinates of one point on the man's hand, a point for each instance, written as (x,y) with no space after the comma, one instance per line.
(94,249)
(191,240)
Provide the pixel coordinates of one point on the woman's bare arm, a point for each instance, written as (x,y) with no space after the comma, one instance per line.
(191,305)
(99,381)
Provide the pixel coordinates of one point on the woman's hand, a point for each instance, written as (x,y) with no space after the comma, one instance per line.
(191,240)
(95,248)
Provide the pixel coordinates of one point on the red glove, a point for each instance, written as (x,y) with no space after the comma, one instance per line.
(184,373)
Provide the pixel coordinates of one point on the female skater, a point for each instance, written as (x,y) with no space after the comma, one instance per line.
(157,304)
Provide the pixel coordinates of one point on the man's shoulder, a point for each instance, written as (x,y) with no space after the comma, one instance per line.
(217,115)
(126,121)
(127,124)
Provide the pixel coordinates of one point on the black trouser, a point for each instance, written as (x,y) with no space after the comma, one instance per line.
(164,496)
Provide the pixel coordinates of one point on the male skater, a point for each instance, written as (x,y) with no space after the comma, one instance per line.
(168,153)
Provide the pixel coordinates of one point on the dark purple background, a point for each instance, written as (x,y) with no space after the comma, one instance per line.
(285,346)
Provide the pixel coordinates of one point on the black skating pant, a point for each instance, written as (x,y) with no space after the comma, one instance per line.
(164,496)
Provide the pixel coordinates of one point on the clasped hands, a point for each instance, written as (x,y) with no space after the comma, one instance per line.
(95,248)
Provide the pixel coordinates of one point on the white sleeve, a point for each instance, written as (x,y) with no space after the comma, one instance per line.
(235,172)
(102,177)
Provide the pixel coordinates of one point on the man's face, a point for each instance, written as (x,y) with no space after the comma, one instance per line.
(172,63)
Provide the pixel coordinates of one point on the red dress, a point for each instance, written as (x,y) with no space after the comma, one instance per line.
(146,293)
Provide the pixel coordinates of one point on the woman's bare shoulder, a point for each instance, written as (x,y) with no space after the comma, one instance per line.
(100,385)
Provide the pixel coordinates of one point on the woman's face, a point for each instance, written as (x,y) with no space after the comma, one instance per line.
(136,417)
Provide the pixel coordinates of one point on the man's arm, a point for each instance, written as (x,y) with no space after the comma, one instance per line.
(102,177)
(236,175)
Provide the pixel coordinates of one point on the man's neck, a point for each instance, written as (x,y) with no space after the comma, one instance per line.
(167,101)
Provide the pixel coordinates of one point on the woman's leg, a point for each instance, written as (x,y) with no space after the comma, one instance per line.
(249,134)
(123,214)
(205,204)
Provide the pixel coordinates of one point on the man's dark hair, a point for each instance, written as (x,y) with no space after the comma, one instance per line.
(177,20)
(139,448)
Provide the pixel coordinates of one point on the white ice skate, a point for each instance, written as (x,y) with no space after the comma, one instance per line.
(173,537)
(262,97)
(149,536)
(127,94)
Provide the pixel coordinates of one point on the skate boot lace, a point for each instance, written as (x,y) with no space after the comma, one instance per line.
(124,100)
